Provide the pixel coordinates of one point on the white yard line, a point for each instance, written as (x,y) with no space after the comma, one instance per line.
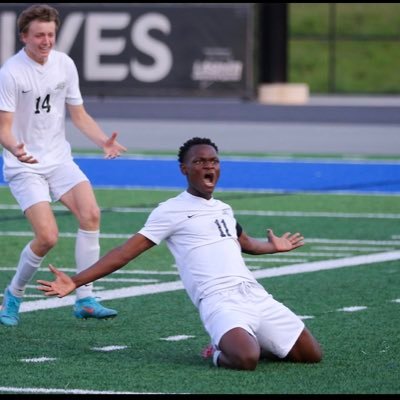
(62,391)
(177,285)
(128,235)
(306,214)
(328,264)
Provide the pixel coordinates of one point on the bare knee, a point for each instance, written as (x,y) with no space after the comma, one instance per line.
(246,361)
(44,242)
(241,360)
(306,349)
(239,349)
(90,219)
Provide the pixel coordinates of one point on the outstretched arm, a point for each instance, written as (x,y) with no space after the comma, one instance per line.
(274,244)
(87,125)
(113,260)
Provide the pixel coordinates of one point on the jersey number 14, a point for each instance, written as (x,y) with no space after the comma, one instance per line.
(44,105)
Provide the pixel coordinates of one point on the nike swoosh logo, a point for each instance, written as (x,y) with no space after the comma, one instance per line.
(190,216)
(26,91)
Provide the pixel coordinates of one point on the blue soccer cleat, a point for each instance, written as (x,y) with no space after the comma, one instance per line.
(9,309)
(89,307)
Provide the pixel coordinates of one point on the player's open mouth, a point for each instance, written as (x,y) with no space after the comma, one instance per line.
(209,179)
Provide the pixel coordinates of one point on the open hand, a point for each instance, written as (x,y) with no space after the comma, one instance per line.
(22,155)
(60,287)
(112,148)
(286,242)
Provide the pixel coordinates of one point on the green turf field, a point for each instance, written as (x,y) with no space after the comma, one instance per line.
(344,283)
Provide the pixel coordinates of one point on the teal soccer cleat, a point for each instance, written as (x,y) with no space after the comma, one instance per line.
(9,309)
(89,307)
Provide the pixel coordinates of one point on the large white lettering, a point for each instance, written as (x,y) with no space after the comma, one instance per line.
(69,31)
(157,50)
(95,46)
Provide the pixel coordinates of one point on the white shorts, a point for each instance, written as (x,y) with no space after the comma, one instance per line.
(249,306)
(30,188)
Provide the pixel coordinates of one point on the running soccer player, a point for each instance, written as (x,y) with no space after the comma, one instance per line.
(36,85)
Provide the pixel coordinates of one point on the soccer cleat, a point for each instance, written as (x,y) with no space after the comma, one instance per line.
(208,351)
(89,307)
(9,309)
(211,352)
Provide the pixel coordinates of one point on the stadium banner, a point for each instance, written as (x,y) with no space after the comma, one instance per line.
(151,49)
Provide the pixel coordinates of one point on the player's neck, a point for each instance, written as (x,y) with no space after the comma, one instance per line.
(34,57)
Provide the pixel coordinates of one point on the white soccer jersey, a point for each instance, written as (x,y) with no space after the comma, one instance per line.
(201,235)
(37,95)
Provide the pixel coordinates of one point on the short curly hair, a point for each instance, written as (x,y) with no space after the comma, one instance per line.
(192,142)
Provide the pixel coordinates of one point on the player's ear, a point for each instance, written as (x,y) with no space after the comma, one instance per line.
(22,37)
(183,168)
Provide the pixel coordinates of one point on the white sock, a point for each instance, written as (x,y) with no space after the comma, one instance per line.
(215,357)
(87,252)
(28,264)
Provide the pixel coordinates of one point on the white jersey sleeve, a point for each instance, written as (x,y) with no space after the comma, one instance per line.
(8,90)
(201,235)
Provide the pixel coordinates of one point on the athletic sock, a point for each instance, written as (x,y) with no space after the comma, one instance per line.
(215,357)
(87,252)
(28,264)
